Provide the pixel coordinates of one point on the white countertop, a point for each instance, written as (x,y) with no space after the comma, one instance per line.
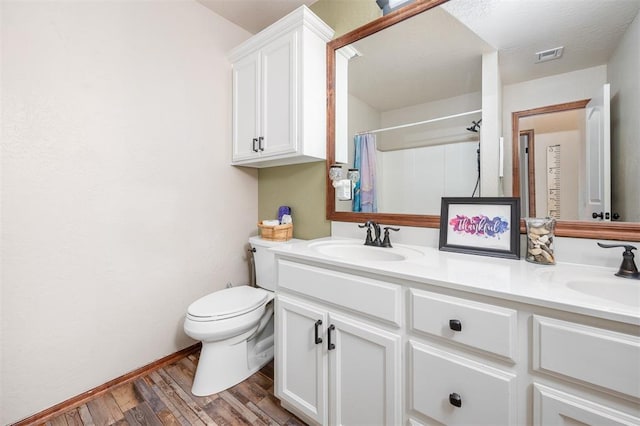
(515,280)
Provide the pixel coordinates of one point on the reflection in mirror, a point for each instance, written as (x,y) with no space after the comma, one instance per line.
(600,41)
(552,154)
(419,97)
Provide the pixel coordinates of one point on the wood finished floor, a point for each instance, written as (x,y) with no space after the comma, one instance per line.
(163,397)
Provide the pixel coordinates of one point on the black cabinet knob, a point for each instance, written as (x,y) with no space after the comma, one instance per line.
(317,325)
(455,325)
(455,400)
(597,215)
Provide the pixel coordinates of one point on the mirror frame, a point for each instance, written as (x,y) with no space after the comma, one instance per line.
(626,231)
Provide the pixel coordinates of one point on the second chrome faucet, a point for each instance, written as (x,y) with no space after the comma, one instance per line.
(376,242)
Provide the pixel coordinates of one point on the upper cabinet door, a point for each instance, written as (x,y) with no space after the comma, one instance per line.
(246,114)
(279,93)
(279,101)
(598,152)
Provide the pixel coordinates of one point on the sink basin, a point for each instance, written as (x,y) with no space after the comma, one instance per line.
(599,283)
(623,292)
(359,252)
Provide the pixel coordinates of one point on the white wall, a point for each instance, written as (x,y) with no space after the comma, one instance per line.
(119,207)
(623,71)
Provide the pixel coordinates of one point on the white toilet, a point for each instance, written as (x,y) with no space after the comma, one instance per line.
(235,326)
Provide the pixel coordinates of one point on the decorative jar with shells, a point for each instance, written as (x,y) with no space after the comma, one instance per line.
(540,235)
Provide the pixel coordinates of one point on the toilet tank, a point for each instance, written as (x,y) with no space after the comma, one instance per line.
(265,261)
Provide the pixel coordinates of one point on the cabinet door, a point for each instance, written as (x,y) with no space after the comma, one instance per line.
(364,374)
(246,105)
(300,362)
(279,104)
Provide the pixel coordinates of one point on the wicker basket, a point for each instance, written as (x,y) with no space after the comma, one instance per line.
(277,232)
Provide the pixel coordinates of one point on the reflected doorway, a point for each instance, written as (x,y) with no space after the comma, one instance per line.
(550,168)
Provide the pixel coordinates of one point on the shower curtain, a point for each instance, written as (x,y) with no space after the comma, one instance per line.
(364,198)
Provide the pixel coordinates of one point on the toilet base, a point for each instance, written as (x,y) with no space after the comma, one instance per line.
(226,363)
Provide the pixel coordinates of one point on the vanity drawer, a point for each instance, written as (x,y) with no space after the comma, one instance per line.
(373,298)
(589,354)
(479,325)
(439,380)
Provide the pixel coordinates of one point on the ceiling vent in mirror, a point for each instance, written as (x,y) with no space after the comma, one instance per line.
(389,6)
(549,55)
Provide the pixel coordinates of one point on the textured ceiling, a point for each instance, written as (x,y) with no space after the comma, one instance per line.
(445,45)
(438,54)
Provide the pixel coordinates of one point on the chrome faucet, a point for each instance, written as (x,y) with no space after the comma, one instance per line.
(369,241)
(628,268)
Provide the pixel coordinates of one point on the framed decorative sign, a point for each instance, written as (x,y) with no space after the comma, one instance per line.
(488,226)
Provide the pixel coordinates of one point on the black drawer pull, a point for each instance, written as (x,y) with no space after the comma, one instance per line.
(455,325)
(260,144)
(330,345)
(455,400)
(255,144)
(317,325)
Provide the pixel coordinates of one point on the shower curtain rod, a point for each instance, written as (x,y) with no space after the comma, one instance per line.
(432,120)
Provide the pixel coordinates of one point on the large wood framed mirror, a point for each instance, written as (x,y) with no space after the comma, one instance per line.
(466,91)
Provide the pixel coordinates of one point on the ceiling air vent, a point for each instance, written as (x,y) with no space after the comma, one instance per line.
(549,55)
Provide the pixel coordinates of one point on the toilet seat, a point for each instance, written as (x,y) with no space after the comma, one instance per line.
(227,303)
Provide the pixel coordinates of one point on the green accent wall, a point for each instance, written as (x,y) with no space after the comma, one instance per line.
(346,15)
(302,186)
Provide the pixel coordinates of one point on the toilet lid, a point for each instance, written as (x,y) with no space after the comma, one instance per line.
(228,303)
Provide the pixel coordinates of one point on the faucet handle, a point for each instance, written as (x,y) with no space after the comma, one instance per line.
(628,268)
(386,242)
(627,247)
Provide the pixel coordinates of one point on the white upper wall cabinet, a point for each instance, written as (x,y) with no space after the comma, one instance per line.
(279,93)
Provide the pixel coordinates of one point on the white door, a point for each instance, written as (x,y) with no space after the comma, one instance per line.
(300,357)
(279,96)
(364,374)
(246,105)
(598,158)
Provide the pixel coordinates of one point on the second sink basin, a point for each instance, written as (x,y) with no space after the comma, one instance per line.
(358,252)
(624,292)
(599,283)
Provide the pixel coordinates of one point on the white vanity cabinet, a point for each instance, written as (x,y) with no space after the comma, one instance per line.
(334,364)
(411,350)
(279,93)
